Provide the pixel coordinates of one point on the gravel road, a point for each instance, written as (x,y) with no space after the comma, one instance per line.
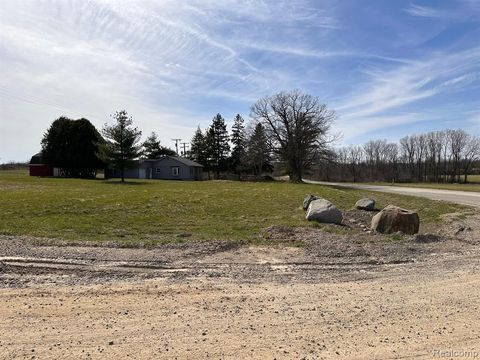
(454,196)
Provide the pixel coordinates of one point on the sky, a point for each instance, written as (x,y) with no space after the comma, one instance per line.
(387,68)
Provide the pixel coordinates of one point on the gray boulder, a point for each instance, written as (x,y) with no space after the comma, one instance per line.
(393,219)
(308,199)
(365,204)
(324,211)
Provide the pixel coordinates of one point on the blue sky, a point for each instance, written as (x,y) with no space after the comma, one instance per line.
(388,68)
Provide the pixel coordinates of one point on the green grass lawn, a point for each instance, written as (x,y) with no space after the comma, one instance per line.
(155,211)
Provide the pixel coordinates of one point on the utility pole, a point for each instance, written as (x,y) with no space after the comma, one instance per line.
(176,144)
(185,145)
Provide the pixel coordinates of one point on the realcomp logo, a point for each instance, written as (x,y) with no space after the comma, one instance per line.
(460,354)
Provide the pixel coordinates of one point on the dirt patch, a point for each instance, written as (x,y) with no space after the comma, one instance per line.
(358,219)
(307,254)
(461,226)
(342,294)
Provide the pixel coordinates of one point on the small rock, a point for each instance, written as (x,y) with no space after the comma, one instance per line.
(365,204)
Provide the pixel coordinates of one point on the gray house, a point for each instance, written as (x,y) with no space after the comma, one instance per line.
(166,168)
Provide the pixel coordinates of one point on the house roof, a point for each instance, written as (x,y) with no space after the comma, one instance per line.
(180,159)
(36,159)
(185,161)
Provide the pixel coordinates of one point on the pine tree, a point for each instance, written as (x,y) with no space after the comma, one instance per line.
(239,144)
(152,149)
(258,151)
(198,148)
(217,144)
(122,142)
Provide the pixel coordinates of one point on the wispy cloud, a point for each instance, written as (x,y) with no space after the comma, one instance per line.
(406,86)
(464,10)
(157,59)
(173,64)
(424,11)
(352,128)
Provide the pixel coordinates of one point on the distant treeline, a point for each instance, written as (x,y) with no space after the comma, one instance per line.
(438,156)
(14,165)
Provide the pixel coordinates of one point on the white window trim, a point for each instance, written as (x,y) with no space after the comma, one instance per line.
(175,170)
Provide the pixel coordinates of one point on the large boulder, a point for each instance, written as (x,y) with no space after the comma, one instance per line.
(393,219)
(365,204)
(308,199)
(324,211)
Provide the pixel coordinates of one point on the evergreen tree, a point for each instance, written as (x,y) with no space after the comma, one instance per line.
(55,149)
(217,144)
(198,148)
(152,149)
(239,144)
(258,151)
(122,142)
(74,146)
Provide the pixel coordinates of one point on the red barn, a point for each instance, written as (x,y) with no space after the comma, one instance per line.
(38,168)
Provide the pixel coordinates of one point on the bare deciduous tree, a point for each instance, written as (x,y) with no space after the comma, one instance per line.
(297,125)
(407,145)
(435,156)
(391,155)
(471,154)
(458,140)
(355,156)
(420,152)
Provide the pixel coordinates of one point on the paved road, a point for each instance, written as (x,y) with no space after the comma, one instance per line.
(459,197)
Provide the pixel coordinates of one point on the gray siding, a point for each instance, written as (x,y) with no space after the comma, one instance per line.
(166,168)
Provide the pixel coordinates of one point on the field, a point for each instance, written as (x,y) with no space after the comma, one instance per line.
(152,212)
(216,280)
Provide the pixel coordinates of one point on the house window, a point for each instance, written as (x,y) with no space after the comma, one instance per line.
(175,171)
(157,170)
